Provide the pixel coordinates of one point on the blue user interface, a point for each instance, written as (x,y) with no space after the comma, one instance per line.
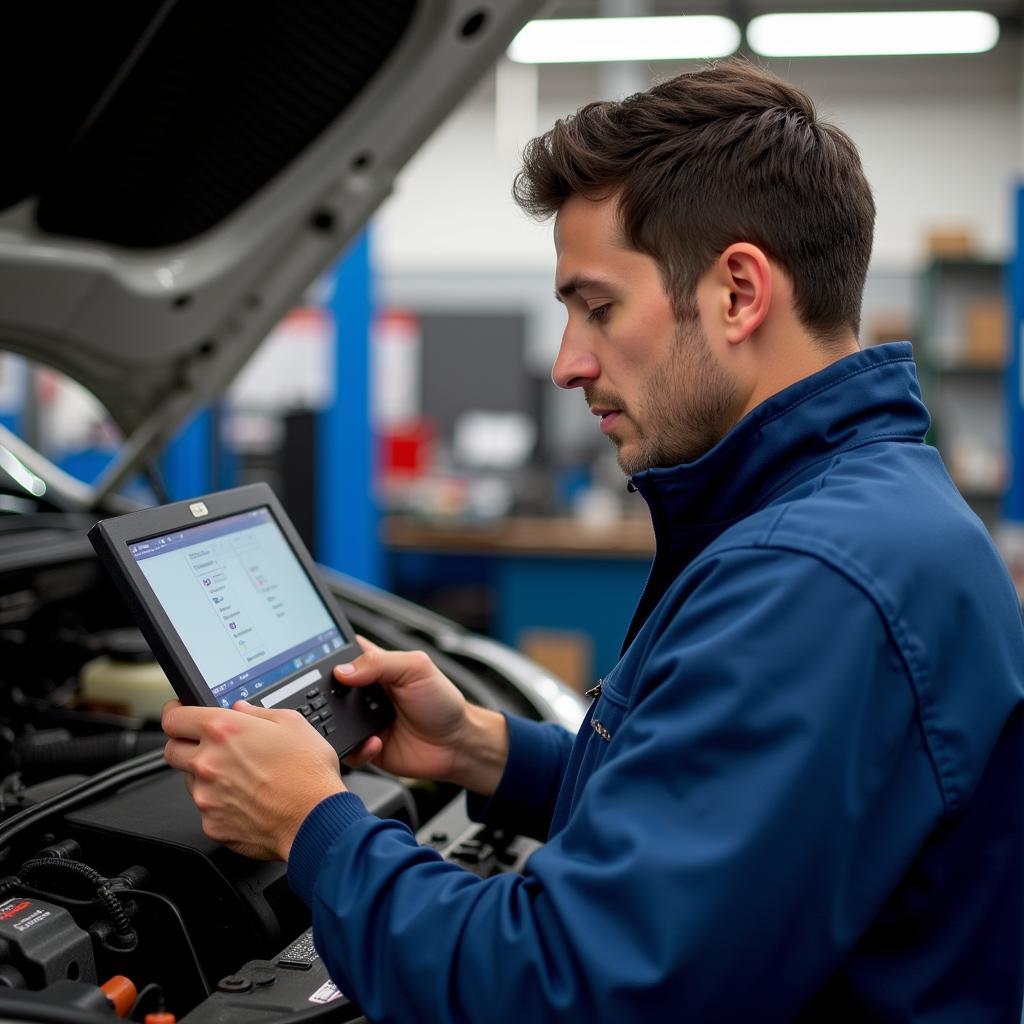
(240,601)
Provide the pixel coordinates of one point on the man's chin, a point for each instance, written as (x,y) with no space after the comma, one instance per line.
(629,459)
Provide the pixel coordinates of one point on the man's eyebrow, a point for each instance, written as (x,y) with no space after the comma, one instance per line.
(574,284)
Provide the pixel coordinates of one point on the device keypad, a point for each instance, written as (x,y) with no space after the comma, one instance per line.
(300,955)
(317,713)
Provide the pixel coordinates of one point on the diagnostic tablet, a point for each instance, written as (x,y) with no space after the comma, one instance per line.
(230,602)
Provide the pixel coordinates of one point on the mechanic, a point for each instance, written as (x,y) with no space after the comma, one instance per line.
(798,793)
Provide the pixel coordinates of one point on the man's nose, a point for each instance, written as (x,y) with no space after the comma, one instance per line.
(575,366)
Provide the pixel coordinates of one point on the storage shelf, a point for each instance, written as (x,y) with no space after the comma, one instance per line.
(970,371)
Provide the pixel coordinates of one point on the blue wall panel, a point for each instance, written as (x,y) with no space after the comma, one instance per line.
(594,596)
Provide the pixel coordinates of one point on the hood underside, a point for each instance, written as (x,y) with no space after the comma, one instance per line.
(177,173)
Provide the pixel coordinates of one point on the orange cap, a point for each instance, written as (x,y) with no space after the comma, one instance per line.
(160,1018)
(121,992)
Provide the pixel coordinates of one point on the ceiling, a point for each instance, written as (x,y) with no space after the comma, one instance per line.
(1010,11)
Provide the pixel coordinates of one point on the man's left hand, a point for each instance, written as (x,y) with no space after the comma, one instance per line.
(254,773)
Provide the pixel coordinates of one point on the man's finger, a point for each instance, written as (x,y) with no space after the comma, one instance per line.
(179,753)
(365,669)
(392,668)
(364,753)
(367,645)
(255,711)
(186,723)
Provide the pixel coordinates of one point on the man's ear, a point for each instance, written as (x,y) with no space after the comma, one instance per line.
(743,275)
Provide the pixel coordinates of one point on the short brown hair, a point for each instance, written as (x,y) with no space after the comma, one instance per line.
(726,154)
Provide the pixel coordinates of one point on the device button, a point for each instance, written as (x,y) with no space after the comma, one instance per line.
(313,692)
(262,977)
(315,720)
(329,728)
(234,983)
(306,710)
(324,715)
(317,704)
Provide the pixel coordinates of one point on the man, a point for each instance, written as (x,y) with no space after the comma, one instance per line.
(797,795)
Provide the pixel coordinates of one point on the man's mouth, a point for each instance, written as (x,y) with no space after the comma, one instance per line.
(608,417)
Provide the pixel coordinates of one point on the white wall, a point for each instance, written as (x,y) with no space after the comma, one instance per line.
(940,139)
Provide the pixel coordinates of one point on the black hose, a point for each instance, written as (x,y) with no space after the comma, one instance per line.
(111,904)
(110,780)
(148,991)
(28,1006)
(85,755)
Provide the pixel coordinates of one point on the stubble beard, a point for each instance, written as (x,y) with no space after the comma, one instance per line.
(686,406)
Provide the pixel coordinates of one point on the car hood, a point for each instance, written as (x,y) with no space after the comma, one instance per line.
(177,173)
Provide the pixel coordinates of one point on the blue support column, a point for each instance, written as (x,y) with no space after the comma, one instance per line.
(12,415)
(187,464)
(225,469)
(345,508)
(1013,501)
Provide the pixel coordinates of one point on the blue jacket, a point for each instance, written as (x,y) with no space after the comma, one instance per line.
(798,795)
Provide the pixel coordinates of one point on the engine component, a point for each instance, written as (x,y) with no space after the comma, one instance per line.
(51,754)
(116,933)
(233,909)
(42,942)
(121,992)
(126,678)
(276,990)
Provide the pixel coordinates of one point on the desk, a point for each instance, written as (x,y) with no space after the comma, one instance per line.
(546,576)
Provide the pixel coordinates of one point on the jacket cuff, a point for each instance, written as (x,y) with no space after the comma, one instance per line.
(534,750)
(315,837)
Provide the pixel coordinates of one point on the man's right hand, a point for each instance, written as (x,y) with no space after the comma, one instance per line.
(437,733)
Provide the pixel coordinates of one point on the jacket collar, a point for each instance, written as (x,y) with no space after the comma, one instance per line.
(867,396)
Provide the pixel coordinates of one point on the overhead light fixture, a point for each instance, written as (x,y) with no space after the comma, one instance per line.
(879,33)
(578,40)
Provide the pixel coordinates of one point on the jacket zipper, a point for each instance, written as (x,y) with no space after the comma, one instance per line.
(595,691)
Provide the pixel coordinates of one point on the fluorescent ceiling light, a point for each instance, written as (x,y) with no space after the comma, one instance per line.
(574,40)
(884,33)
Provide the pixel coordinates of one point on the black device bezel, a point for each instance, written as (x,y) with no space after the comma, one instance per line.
(111,539)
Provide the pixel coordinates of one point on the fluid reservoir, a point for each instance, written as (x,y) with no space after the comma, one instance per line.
(125,679)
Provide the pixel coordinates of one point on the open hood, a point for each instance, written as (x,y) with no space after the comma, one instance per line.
(177,172)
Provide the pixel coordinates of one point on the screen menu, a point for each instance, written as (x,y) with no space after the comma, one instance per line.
(240,601)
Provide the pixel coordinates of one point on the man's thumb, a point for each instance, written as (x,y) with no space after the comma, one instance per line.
(256,712)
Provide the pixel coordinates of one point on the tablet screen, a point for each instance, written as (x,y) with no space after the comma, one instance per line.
(240,601)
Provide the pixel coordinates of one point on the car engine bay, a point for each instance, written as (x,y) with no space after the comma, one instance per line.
(112,899)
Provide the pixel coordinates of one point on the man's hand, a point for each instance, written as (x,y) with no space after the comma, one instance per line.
(437,733)
(254,773)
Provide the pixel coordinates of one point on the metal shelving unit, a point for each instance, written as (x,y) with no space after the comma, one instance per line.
(965,391)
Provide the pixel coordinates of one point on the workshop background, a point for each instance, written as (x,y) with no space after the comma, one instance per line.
(405,413)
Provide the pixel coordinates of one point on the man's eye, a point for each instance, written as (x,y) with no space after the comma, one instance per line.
(599,313)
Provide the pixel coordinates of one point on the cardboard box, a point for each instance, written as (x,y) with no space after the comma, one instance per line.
(950,243)
(887,326)
(985,329)
(564,653)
